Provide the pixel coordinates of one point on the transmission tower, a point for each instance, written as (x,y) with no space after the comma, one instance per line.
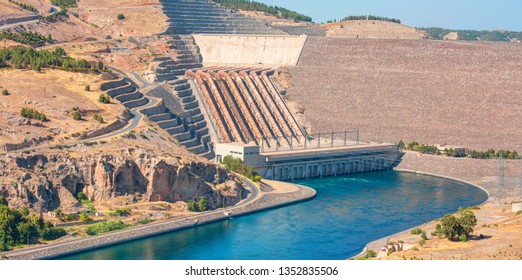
(500,194)
(520,183)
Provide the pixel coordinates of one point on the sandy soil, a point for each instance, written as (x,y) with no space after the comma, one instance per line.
(281,187)
(501,230)
(372,29)
(10,10)
(54,93)
(142,18)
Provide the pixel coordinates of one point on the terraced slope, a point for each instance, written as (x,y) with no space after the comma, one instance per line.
(206,17)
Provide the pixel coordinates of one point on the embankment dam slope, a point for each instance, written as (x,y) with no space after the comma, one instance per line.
(434,92)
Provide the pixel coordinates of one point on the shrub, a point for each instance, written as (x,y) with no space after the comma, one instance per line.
(519,212)
(237,165)
(77,115)
(32,114)
(123,211)
(463,238)
(423,235)
(202,204)
(415,249)
(416,231)
(192,206)
(81,196)
(369,254)
(84,218)
(121,16)
(105,227)
(52,233)
(104,98)
(5,92)
(422,242)
(98,118)
(144,221)
(87,88)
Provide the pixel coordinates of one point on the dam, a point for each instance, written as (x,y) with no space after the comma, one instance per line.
(220,97)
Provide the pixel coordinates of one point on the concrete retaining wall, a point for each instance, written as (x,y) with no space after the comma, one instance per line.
(250,49)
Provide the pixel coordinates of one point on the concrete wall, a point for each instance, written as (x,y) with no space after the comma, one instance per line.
(250,49)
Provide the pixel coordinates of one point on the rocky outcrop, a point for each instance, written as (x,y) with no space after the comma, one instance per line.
(46,182)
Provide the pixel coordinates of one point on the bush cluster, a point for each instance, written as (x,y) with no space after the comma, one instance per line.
(25,6)
(19,227)
(104,98)
(98,118)
(457,228)
(200,206)
(105,227)
(31,113)
(25,58)
(433,150)
(237,165)
(34,39)
(368,17)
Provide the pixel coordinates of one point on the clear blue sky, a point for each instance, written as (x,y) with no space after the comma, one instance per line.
(454,14)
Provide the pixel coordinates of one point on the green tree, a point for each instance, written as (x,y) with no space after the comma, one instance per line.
(401,145)
(467,222)
(121,16)
(450,227)
(5,92)
(58,212)
(87,88)
(202,204)
(192,206)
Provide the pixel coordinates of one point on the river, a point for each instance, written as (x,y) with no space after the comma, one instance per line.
(348,212)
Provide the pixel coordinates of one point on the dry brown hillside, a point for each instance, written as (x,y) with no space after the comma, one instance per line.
(54,93)
(373,29)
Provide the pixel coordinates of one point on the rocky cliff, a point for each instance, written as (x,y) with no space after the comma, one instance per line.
(47,181)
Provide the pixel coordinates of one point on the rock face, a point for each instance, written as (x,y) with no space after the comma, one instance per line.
(46,182)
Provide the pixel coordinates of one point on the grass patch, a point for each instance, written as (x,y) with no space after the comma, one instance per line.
(105,227)
(416,231)
(369,254)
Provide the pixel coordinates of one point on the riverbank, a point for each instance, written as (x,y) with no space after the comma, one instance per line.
(257,201)
(501,229)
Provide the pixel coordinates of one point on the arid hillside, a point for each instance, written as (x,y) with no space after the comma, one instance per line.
(54,93)
(431,91)
(373,29)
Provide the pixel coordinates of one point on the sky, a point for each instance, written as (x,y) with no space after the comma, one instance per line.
(451,14)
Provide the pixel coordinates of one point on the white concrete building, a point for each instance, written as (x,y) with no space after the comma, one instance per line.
(248,153)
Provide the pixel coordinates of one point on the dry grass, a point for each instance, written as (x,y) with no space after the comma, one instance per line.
(431,91)
(54,93)
(142,18)
(10,10)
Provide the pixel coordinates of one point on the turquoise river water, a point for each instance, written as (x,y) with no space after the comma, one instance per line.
(348,212)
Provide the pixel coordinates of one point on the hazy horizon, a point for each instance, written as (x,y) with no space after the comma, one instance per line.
(462,15)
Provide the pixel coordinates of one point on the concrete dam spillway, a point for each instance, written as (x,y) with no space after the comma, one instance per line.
(218,97)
